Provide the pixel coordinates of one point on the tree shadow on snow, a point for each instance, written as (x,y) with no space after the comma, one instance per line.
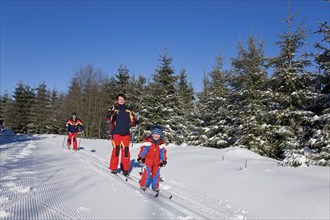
(7,139)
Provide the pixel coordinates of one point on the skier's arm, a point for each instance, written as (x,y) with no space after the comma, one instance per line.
(163,155)
(144,149)
(110,114)
(67,125)
(140,159)
(132,118)
(80,126)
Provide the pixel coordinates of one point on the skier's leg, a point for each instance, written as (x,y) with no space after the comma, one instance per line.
(146,177)
(74,139)
(114,158)
(68,143)
(115,153)
(125,154)
(155,178)
(125,159)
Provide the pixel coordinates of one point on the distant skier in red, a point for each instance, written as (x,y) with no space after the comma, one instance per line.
(153,155)
(120,118)
(73,126)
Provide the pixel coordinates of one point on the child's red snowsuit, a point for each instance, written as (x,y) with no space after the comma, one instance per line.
(152,154)
(120,120)
(73,127)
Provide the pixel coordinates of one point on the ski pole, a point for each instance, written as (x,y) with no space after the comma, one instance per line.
(108,138)
(142,165)
(134,132)
(79,142)
(63,141)
(105,149)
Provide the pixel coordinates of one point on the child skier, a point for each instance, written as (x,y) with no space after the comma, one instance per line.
(153,155)
(74,126)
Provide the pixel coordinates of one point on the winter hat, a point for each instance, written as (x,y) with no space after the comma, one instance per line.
(74,114)
(156,129)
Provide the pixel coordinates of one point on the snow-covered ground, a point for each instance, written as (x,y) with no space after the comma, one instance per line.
(41,180)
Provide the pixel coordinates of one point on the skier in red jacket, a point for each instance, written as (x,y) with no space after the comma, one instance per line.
(153,155)
(74,126)
(120,119)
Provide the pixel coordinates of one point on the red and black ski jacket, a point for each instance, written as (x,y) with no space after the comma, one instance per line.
(121,119)
(74,126)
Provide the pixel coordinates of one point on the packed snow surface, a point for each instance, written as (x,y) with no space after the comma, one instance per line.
(41,179)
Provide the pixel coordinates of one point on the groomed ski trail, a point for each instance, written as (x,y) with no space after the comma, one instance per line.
(36,183)
(182,200)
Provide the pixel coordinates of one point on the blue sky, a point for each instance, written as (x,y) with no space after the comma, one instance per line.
(49,40)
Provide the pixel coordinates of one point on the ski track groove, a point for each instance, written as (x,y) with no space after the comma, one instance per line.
(80,212)
(207,212)
(32,210)
(12,187)
(208,203)
(164,204)
(97,162)
(191,205)
(39,202)
(26,201)
(55,202)
(9,152)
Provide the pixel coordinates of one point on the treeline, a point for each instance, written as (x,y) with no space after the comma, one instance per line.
(276,106)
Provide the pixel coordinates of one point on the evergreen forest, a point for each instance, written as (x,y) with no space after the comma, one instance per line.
(276,106)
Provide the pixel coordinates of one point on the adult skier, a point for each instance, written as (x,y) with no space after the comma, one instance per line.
(153,155)
(74,126)
(120,119)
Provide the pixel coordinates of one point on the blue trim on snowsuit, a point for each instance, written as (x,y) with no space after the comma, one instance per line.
(155,179)
(145,151)
(162,154)
(150,180)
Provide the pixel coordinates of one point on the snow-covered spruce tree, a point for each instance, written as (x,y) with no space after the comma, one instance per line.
(108,94)
(290,93)
(109,89)
(133,89)
(5,103)
(73,101)
(185,106)
(201,116)
(218,126)
(122,79)
(127,85)
(322,58)
(20,112)
(41,111)
(318,145)
(58,117)
(249,97)
(134,96)
(146,115)
(160,104)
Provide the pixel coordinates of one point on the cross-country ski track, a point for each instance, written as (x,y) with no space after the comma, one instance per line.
(41,179)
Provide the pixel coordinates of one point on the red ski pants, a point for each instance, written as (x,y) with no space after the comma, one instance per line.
(73,137)
(150,176)
(120,145)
